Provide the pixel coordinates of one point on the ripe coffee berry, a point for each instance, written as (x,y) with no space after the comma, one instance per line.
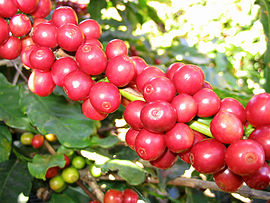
(172,68)
(131,137)
(180,138)
(61,68)
(130,196)
(120,70)
(262,136)
(4,31)
(20,25)
(90,112)
(63,15)
(166,160)
(37,141)
(69,37)
(41,83)
(27,41)
(45,34)
(258,110)
(208,156)
(8,8)
(115,48)
(227,180)
(11,48)
(207,85)
(185,106)
(146,75)
(160,88)
(90,28)
(244,157)
(113,196)
(188,79)
(52,172)
(158,116)
(132,114)
(38,21)
(149,146)
(77,85)
(41,58)
(27,6)
(226,127)
(91,59)
(233,106)
(25,54)
(208,102)
(140,65)
(105,97)
(44,8)
(93,42)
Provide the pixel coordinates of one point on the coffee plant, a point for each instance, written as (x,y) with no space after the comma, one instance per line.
(91,113)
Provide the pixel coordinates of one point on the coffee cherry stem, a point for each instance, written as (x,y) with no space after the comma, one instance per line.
(131,94)
(248,130)
(200,127)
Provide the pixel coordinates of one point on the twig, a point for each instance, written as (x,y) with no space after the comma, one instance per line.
(20,72)
(86,177)
(49,147)
(197,183)
(85,189)
(16,76)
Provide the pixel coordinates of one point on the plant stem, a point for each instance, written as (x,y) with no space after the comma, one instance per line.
(200,127)
(20,72)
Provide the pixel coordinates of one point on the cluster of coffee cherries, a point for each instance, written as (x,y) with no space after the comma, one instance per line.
(160,132)
(117,196)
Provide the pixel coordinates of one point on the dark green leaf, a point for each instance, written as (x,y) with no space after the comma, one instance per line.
(133,174)
(10,111)
(5,143)
(15,179)
(95,7)
(53,114)
(195,196)
(41,163)
(124,152)
(106,142)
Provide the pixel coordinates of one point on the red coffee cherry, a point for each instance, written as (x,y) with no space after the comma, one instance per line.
(120,70)
(37,141)
(160,88)
(172,68)
(258,110)
(20,25)
(91,59)
(188,79)
(186,107)
(260,179)
(94,42)
(61,68)
(165,161)
(149,146)
(131,137)
(41,83)
(140,65)
(4,31)
(207,85)
(44,8)
(38,21)
(197,138)
(105,97)
(90,28)
(27,41)
(262,136)
(130,196)
(227,180)
(8,8)
(208,102)
(11,48)
(226,127)
(25,54)
(132,114)
(116,47)
(69,37)
(146,75)
(180,138)
(67,159)
(208,156)
(45,34)
(77,85)
(113,196)
(41,58)
(244,157)
(63,15)
(158,116)
(233,106)
(27,6)
(90,112)
(51,172)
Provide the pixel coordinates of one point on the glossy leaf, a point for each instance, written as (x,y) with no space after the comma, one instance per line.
(106,142)
(5,143)
(194,196)
(95,7)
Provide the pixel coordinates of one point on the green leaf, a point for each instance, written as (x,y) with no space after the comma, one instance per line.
(41,163)
(106,142)
(128,170)
(5,143)
(53,114)
(95,7)
(15,179)
(10,111)
(194,196)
